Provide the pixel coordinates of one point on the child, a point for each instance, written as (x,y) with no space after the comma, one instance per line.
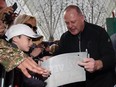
(20,36)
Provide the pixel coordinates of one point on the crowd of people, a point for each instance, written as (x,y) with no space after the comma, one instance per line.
(18,59)
(21,48)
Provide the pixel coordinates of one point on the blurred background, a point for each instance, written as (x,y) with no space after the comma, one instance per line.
(49,14)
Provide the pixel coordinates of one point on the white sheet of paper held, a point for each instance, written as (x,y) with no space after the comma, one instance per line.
(65,69)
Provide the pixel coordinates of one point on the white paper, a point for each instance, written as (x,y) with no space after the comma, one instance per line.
(65,69)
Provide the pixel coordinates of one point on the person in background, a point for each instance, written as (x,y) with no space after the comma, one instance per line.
(113,39)
(100,65)
(28,20)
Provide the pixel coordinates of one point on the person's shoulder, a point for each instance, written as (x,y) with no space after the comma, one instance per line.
(66,34)
(113,37)
(10,57)
(6,48)
(3,43)
(94,30)
(94,26)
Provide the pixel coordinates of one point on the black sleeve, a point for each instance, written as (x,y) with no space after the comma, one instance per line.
(107,51)
(61,46)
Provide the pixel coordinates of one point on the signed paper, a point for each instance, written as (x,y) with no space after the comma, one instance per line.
(65,69)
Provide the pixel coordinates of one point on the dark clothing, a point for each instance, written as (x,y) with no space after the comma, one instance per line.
(98,43)
(37,81)
(22,81)
(113,39)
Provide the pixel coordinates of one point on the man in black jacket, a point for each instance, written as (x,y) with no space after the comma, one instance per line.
(85,36)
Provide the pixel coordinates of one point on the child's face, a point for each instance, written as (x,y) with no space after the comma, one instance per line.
(23,42)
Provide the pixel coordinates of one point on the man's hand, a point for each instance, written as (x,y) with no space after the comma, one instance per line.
(91,65)
(6,10)
(29,64)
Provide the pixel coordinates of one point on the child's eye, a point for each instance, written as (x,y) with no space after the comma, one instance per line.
(29,39)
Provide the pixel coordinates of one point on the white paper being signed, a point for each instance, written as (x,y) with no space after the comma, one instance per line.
(65,69)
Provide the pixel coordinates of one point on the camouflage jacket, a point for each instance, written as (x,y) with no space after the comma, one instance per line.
(10,57)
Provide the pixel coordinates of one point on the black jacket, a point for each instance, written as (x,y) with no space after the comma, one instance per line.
(98,43)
